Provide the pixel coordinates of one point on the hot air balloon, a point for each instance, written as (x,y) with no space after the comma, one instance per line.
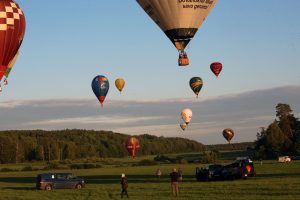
(228,134)
(120,83)
(100,86)
(183,126)
(178,19)
(9,67)
(196,84)
(132,146)
(12,30)
(248,168)
(216,68)
(186,115)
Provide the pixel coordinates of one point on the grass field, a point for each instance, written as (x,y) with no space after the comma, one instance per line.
(274,181)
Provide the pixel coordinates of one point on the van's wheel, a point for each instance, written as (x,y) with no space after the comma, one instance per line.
(48,187)
(78,186)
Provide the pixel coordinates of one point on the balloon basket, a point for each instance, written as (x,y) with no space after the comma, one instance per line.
(183,59)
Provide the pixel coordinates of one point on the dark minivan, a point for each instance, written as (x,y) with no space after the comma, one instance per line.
(49,181)
(242,167)
(209,172)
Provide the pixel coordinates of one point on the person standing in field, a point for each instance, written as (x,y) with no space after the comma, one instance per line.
(124,185)
(158,173)
(174,182)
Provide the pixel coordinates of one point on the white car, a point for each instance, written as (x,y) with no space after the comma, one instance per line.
(284,159)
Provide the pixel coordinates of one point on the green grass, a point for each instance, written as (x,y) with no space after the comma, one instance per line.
(274,181)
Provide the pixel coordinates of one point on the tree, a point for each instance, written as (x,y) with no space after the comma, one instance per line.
(283,110)
(286,118)
(7,150)
(274,140)
(69,151)
(281,137)
(19,151)
(297,143)
(40,153)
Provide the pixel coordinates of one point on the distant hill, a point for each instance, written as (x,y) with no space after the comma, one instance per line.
(40,145)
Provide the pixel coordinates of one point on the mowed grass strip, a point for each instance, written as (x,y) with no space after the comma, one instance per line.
(274,181)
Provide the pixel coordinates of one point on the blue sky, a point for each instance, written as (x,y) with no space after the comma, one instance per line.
(68,43)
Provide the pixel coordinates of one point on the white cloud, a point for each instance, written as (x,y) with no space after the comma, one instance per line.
(261,118)
(45,103)
(10,104)
(95,120)
(244,112)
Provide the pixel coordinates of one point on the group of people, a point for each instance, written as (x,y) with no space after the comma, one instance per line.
(175,176)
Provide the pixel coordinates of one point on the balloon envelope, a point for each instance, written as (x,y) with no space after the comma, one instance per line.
(186,115)
(10,65)
(248,168)
(120,83)
(132,146)
(178,19)
(196,84)
(216,68)
(100,86)
(12,30)
(228,134)
(183,126)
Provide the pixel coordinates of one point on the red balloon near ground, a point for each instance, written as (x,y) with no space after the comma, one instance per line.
(248,168)
(133,145)
(216,68)
(12,30)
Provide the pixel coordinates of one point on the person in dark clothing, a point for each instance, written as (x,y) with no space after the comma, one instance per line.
(174,182)
(124,185)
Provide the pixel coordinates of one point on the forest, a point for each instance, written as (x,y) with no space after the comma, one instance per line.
(39,145)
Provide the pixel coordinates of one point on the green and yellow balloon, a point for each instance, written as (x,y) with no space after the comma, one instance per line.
(196,84)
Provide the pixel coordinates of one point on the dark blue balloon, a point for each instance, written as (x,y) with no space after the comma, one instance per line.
(100,86)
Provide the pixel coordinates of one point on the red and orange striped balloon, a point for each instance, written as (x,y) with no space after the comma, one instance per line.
(132,146)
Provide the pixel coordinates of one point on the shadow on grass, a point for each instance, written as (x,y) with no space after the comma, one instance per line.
(144,178)
(18,179)
(278,175)
(105,179)
(20,188)
(113,179)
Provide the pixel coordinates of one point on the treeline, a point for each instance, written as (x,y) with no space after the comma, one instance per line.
(281,137)
(241,146)
(39,145)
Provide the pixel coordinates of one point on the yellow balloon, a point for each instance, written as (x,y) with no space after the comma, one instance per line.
(120,83)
